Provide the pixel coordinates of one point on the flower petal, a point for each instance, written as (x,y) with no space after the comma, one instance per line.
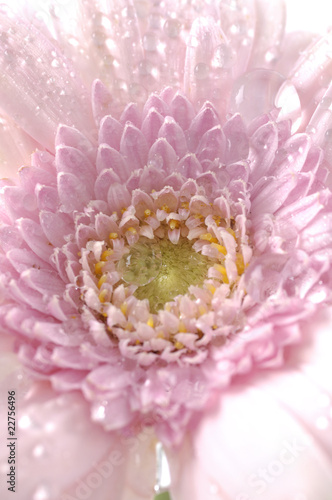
(27,70)
(270,436)
(52,465)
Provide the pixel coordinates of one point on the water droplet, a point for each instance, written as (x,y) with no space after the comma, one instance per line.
(38,451)
(271,55)
(318,296)
(108,60)
(223,57)
(98,38)
(145,67)
(328,134)
(172,28)
(150,41)
(155,21)
(41,493)
(326,102)
(24,422)
(193,41)
(142,8)
(9,55)
(50,427)
(201,71)
(55,63)
(99,413)
(141,265)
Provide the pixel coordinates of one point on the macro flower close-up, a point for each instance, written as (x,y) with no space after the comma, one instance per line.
(165,252)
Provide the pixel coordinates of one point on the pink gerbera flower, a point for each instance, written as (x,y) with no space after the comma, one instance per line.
(164,249)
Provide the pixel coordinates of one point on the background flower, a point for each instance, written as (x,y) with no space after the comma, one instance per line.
(200,81)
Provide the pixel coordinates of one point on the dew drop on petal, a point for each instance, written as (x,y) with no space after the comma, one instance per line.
(38,451)
(150,42)
(41,493)
(193,41)
(172,28)
(311,130)
(142,8)
(141,265)
(201,71)
(98,38)
(50,427)
(271,55)
(326,103)
(24,422)
(55,63)
(318,296)
(145,67)
(328,134)
(99,413)
(223,57)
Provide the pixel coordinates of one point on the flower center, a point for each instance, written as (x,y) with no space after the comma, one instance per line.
(163,270)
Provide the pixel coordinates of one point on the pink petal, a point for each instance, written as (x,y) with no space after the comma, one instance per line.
(73,161)
(270,26)
(151,125)
(69,136)
(101,101)
(182,111)
(56,226)
(22,259)
(47,198)
(38,65)
(204,39)
(264,144)
(270,435)
(109,158)
(105,180)
(238,22)
(206,119)
(52,429)
(35,238)
(174,135)
(236,139)
(132,114)
(10,238)
(118,197)
(110,132)
(212,145)
(155,102)
(134,146)
(73,193)
(162,155)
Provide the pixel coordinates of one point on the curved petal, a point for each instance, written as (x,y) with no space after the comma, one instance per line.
(270,24)
(270,436)
(27,70)
(64,455)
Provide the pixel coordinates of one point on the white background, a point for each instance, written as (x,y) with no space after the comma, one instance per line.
(311,15)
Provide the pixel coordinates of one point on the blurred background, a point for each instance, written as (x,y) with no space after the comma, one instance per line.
(311,15)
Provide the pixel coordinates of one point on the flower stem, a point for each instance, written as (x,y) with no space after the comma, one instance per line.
(163,496)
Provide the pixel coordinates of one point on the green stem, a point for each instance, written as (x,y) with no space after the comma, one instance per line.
(163,496)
